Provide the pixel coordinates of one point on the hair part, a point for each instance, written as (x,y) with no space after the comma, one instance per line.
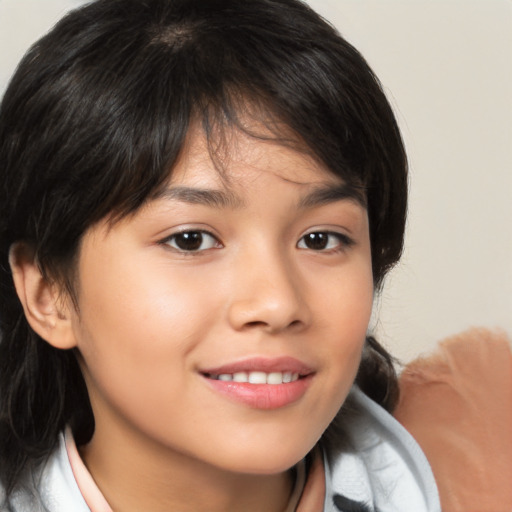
(94,120)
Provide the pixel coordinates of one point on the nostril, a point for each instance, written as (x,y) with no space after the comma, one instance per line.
(256,323)
(271,326)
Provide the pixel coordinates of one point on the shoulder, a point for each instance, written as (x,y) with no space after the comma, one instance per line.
(381,466)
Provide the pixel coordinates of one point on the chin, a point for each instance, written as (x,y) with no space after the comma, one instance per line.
(269,460)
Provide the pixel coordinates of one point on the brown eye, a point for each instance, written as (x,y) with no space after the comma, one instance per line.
(324,241)
(192,241)
(316,241)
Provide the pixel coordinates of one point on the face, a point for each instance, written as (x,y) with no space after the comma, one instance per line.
(224,321)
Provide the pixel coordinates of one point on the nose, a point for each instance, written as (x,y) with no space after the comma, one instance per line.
(268,294)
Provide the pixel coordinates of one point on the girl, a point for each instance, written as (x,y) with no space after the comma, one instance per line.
(199,200)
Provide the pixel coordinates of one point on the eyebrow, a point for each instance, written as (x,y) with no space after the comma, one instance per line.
(331,194)
(208,197)
(226,199)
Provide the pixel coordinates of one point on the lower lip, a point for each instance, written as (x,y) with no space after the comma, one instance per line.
(262,396)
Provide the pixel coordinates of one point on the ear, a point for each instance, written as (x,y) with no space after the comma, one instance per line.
(48,312)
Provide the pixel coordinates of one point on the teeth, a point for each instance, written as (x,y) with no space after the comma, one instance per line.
(275,378)
(258,377)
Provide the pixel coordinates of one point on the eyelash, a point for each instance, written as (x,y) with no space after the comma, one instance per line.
(342,242)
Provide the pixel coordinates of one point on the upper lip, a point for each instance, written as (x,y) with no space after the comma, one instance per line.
(261,364)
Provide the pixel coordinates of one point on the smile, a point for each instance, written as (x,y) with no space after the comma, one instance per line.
(257,377)
(261,383)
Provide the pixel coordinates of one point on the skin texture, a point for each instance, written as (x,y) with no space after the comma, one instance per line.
(152,316)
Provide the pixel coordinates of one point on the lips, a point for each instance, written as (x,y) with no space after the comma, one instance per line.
(261,383)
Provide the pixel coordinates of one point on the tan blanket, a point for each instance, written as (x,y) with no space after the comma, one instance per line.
(457,403)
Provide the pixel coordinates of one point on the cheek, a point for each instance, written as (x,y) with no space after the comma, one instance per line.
(136,328)
(135,335)
(344,305)
(151,304)
(345,311)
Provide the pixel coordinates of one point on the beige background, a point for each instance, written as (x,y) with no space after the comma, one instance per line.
(447,68)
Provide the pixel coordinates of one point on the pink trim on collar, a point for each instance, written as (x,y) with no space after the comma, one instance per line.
(88,488)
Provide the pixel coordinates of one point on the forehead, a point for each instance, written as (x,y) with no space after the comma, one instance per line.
(234,159)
